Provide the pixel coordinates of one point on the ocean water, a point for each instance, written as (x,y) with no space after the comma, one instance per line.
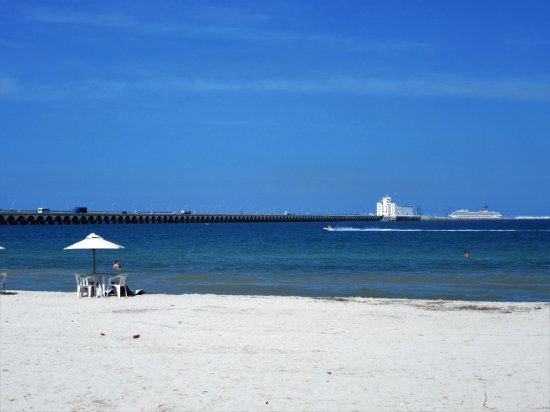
(509,259)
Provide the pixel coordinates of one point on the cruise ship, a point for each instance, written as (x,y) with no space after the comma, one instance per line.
(482,214)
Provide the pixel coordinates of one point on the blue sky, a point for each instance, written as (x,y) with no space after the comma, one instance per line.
(305,106)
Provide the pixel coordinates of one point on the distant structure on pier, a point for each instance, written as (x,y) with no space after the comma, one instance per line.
(482,214)
(387,209)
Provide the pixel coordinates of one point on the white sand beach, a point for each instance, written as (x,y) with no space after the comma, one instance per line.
(228,353)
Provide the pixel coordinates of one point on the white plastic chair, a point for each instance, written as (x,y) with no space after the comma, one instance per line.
(3,278)
(118,282)
(83,285)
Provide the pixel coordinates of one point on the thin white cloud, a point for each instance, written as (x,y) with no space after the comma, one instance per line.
(226,14)
(195,24)
(63,16)
(434,86)
(215,15)
(8,86)
(222,23)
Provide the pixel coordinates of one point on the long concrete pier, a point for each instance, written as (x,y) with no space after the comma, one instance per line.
(69,218)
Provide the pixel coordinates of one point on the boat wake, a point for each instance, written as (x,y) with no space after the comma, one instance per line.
(379,229)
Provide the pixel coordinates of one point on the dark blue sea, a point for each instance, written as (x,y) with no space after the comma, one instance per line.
(509,259)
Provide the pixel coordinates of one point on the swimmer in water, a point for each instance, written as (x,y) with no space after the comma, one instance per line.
(466,253)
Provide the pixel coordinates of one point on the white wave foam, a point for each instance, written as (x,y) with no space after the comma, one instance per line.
(378,229)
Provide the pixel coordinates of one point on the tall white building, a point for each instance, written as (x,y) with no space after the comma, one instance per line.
(385,207)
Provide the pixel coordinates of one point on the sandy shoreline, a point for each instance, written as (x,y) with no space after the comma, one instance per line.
(207,352)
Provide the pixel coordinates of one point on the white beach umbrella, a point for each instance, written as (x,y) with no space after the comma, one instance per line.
(93,242)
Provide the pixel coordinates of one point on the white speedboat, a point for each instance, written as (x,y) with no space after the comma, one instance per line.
(329,228)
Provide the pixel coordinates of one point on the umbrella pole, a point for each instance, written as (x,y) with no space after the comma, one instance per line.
(95,284)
